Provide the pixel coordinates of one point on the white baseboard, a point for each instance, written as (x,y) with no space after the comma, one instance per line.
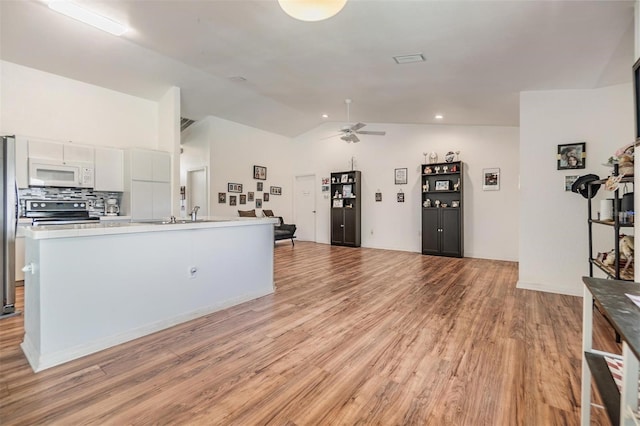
(569,291)
(41,362)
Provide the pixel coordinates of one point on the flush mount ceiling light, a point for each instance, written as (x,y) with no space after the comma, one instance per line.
(439,117)
(312,10)
(74,11)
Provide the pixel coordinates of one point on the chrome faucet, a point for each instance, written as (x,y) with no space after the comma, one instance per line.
(194,213)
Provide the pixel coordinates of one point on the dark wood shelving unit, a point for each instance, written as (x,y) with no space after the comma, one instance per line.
(346,210)
(443,222)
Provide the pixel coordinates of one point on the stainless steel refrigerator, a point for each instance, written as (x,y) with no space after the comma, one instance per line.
(9,220)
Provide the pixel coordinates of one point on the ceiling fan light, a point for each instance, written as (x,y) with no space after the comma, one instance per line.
(312,10)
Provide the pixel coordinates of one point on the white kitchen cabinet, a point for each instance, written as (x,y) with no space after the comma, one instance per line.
(46,149)
(109,169)
(64,152)
(161,167)
(77,153)
(152,166)
(19,257)
(150,200)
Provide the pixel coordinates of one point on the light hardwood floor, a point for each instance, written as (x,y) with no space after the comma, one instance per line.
(351,336)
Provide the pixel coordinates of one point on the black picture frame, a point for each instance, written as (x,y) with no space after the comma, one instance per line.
(400,197)
(265,197)
(249,196)
(260,172)
(572,156)
(232,200)
(234,187)
(258,203)
(275,190)
(222,197)
(243,199)
(259,187)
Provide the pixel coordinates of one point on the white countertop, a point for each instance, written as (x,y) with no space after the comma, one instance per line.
(115,227)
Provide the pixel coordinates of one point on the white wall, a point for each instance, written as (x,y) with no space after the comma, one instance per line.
(196,152)
(491,218)
(553,223)
(169,139)
(235,149)
(43,105)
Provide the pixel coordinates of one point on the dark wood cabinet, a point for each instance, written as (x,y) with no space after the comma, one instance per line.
(346,208)
(442,209)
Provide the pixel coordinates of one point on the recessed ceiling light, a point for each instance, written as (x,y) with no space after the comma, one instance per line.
(407,59)
(439,117)
(325,115)
(81,14)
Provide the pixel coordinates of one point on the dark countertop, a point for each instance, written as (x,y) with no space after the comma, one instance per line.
(623,313)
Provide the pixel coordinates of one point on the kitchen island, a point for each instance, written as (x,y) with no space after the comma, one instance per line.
(92,286)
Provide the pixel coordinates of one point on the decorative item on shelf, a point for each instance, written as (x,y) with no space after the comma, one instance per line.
(425,187)
(625,157)
(443,185)
(613,182)
(456,186)
(336,194)
(333,180)
(427,203)
(581,186)
(378,195)
(344,178)
(449,156)
(400,176)
(433,157)
(428,170)
(260,172)
(491,179)
(346,191)
(337,203)
(437,203)
(454,168)
(437,169)
(445,169)
(572,156)
(444,205)
(425,157)
(455,203)
(457,155)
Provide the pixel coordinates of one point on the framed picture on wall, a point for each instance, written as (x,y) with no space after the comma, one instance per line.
(243,199)
(260,172)
(222,197)
(258,203)
(259,187)
(277,190)
(568,181)
(249,196)
(401,176)
(234,187)
(265,197)
(232,200)
(491,179)
(572,156)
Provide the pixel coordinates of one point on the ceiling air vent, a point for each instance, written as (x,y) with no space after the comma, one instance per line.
(185,122)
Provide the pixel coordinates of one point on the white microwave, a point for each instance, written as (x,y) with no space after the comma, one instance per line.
(44,172)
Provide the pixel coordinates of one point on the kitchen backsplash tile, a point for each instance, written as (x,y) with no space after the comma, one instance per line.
(95,199)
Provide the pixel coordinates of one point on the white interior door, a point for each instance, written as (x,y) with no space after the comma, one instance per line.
(197,191)
(305,208)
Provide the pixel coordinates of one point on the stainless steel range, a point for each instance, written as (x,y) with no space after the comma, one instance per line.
(59,212)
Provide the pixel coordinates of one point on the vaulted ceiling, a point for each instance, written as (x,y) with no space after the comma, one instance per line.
(249,62)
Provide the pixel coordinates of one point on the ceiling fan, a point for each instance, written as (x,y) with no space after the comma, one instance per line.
(349,133)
